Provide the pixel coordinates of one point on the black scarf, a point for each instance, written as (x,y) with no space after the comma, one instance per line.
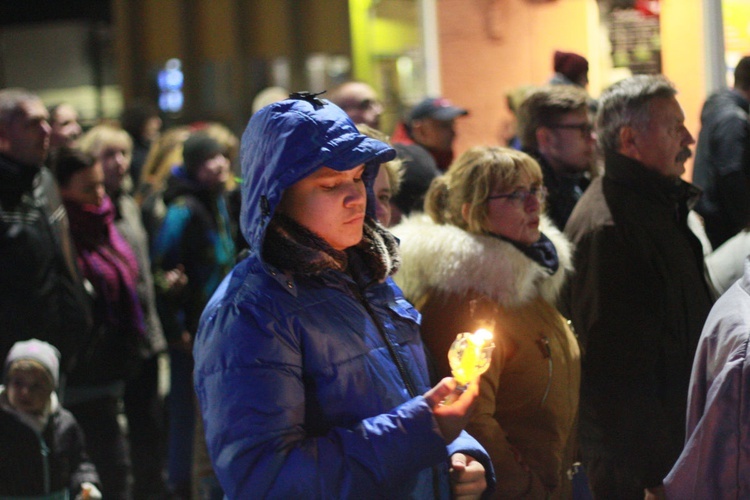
(292,247)
(543,252)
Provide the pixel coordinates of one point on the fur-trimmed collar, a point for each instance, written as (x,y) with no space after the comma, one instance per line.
(292,247)
(448,259)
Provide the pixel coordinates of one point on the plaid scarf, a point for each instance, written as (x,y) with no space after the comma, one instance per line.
(109,264)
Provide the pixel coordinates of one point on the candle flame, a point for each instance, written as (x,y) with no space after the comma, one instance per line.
(481,336)
(469,355)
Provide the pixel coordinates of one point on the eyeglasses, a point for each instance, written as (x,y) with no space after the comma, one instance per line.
(364,105)
(584,128)
(521,196)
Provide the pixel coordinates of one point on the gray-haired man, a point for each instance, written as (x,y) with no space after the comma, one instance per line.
(639,297)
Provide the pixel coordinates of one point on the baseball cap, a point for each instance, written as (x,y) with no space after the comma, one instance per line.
(438,108)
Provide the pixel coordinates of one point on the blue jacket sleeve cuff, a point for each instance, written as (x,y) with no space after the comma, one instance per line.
(467,445)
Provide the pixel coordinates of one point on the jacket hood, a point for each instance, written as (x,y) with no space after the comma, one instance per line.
(446,258)
(289,140)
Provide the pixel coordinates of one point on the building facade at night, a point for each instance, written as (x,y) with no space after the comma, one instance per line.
(207,59)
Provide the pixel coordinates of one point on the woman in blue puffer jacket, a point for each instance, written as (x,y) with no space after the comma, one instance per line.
(309,367)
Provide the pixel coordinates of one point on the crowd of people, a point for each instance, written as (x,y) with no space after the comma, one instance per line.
(111,272)
(305,284)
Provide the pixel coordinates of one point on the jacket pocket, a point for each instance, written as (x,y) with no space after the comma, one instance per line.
(404,310)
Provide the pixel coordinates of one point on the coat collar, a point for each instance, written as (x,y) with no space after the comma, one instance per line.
(626,171)
(16,176)
(739,100)
(449,259)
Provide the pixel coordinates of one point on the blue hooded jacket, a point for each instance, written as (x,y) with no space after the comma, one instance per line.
(310,385)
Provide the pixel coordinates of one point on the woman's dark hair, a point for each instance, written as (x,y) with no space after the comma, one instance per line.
(135,116)
(67,162)
(742,74)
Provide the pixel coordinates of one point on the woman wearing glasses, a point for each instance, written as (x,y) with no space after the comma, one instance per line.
(485,256)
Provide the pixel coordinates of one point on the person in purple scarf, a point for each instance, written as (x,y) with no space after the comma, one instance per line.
(118,340)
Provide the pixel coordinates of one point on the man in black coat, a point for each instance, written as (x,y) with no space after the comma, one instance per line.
(41,295)
(639,296)
(722,159)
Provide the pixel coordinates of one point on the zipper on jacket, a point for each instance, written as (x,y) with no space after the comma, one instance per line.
(546,353)
(402,371)
(45,463)
(391,348)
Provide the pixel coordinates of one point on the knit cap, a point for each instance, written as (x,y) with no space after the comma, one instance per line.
(570,64)
(198,148)
(38,350)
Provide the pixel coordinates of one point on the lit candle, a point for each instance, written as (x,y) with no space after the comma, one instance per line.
(469,357)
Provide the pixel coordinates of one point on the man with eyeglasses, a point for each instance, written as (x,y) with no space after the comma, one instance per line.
(358,100)
(638,297)
(554,127)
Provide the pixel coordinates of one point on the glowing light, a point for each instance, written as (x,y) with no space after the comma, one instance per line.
(470,355)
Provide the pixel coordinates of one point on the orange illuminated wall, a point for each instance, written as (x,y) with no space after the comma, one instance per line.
(489,47)
(683,58)
(736,19)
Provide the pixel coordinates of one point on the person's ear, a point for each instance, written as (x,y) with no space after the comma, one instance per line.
(416,129)
(543,137)
(628,138)
(4,142)
(466,212)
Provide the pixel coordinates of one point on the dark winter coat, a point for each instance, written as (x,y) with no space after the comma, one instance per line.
(36,464)
(638,300)
(41,295)
(722,166)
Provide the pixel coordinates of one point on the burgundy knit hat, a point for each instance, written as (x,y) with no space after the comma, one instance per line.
(571,65)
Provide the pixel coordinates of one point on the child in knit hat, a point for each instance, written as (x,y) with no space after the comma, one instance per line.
(43,449)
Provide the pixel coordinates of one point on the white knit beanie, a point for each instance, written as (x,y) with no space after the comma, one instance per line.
(38,350)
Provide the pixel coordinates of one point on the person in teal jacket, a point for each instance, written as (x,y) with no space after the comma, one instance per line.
(309,367)
(191,253)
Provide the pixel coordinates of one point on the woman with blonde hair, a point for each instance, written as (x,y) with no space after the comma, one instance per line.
(387,182)
(485,256)
(112,147)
